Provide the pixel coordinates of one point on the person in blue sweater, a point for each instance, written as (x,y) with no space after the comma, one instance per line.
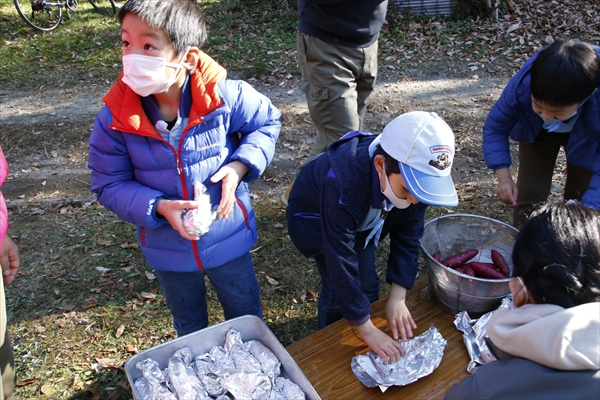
(347,199)
(552,102)
(172,121)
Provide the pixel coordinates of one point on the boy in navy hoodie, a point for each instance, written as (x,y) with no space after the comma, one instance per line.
(345,200)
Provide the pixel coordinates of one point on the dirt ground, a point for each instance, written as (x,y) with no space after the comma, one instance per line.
(45,132)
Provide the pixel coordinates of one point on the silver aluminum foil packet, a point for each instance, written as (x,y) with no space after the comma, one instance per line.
(197,221)
(423,355)
(475,335)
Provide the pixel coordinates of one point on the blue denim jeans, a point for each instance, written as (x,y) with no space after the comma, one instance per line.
(236,286)
(327,306)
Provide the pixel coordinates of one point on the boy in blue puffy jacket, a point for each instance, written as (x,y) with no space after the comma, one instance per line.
(552,102)
(173,120)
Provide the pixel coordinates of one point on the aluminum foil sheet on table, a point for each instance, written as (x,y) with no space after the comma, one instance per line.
(475,335)
(423,355)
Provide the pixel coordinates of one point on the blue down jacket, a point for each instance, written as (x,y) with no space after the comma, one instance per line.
(330,198)
(133,166)
(512,116)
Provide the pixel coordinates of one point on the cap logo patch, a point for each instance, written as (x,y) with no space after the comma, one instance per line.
(440,147)
(442,162)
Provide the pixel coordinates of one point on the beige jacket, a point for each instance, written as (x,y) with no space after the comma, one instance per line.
(565,339)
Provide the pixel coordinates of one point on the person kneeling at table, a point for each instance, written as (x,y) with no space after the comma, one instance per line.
(549,345)
(348,198)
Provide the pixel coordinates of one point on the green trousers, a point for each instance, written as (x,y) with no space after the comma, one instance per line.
(337,82)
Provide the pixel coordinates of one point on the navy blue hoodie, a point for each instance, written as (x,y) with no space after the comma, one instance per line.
(330,198)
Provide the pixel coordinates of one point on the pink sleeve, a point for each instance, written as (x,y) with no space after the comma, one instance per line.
(3,211)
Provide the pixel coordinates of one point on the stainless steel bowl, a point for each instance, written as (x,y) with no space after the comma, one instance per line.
(451,234)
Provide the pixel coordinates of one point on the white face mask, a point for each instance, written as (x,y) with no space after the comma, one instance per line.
(391,196)
(145,75)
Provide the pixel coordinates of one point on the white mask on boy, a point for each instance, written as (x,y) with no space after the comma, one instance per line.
(145,75)
(391,196)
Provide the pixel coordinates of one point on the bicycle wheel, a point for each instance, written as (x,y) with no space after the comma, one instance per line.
(104,7)
(72,5)
(38,14)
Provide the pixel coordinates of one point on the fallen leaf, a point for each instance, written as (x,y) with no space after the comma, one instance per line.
(150,276)
(130,245)
(26,382)
(102,270)
(45,389)
(272,280)
(39,328)
(132,349)
(90,303)
(120,331)
(105,242)
(147,296)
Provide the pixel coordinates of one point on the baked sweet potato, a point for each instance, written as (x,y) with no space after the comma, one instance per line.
(459,259)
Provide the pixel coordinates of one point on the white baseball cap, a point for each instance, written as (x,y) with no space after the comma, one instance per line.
(423,144)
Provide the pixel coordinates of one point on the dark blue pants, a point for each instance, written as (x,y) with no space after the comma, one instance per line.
(236,286)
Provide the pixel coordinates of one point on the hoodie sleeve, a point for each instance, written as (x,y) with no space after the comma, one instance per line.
(256,120)
(113,177)
(339,228)
(406,228)
(591,198)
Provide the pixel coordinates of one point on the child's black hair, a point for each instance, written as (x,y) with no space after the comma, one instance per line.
(565,73)
(391,164)
(557,253)
(182,20)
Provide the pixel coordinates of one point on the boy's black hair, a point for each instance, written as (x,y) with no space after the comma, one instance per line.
(182,20)
(565,73)
(391,164)
(557,253)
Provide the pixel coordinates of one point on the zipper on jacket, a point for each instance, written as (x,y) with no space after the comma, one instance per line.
(239,203)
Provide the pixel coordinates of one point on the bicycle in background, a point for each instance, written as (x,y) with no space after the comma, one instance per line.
(46,15)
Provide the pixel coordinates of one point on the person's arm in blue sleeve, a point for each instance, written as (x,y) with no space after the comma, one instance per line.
(256,120)
(339,236)
(496,149)
(406,228)
(113,179)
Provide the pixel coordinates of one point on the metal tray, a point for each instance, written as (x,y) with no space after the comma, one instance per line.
(200,342)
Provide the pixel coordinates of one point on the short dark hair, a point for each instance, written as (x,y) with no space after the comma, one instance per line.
(391,164)
(557,253)
(565,73)
(182,20)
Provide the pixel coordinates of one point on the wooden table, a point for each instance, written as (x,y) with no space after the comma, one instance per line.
(325,356)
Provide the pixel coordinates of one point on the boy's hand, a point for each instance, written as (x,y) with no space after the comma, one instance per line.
(9,259)
(506,190)
(400,322)
(230,174)
(388,349)
(172,209)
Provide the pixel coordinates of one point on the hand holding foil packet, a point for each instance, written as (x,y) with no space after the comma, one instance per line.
(423,355)
(198,220)
(475,335)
